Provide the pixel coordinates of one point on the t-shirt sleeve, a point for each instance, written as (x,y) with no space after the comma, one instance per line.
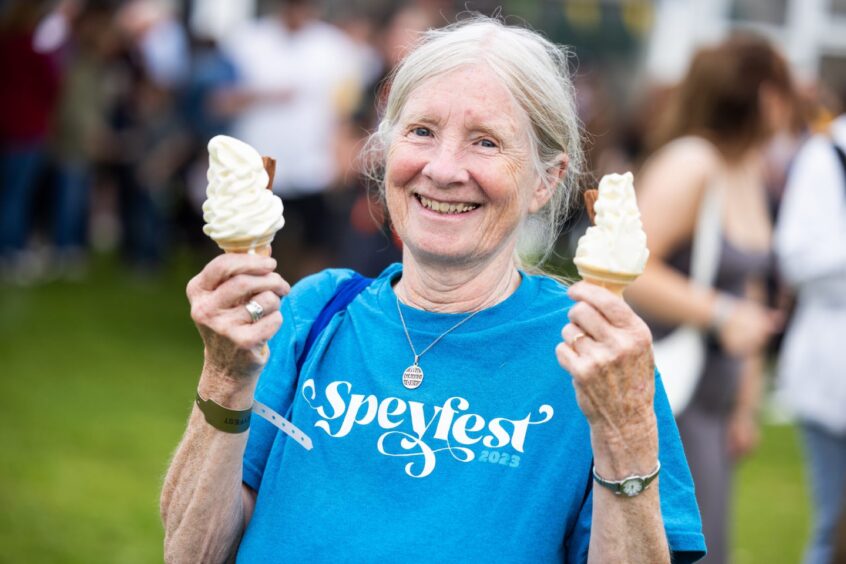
(277,383)
(679,510)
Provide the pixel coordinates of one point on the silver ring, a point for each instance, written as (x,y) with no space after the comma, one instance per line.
(255,310)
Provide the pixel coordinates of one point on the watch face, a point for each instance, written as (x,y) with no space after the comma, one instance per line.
(632,487)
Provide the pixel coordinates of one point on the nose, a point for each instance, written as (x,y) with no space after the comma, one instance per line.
(445,168)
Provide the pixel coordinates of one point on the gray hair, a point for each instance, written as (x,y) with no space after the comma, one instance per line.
(535,72)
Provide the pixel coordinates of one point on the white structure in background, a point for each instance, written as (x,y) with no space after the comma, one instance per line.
(217,19)
(811,32)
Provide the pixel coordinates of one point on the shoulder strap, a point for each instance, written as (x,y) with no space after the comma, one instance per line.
(707,238)
(344,295)
(841,157)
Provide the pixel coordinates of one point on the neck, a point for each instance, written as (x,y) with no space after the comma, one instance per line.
(456,289)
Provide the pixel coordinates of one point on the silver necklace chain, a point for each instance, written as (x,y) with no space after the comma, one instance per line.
(413,375)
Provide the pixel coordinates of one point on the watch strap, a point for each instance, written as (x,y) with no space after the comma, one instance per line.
(630,486)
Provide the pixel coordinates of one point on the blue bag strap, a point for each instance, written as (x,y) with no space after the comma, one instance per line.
(344,295)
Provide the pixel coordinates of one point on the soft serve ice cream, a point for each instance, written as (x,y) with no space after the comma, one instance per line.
(614,249)
(241,214)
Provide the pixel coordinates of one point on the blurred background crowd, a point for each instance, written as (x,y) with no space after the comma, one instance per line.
(106,107)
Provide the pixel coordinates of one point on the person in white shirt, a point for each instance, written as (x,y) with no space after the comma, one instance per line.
(299,78)
(809,242)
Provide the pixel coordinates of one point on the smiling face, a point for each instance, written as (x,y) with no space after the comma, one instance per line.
(459,176)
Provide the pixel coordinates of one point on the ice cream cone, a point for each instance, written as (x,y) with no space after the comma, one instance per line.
(616,282)
(261,246)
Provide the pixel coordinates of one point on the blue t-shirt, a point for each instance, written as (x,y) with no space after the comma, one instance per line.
(489,459)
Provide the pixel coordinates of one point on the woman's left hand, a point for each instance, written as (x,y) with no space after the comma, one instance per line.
(607,350)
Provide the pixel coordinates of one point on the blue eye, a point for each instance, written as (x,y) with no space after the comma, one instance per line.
(488,144)
(421,131)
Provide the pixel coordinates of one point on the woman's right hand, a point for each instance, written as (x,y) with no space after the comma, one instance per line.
(234,345)
(749,327)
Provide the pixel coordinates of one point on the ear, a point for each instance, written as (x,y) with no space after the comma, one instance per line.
(544,190)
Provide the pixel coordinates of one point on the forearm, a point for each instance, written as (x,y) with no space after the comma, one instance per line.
(202,502)
(751,385)
(750,389)
(627,529)
(668,296)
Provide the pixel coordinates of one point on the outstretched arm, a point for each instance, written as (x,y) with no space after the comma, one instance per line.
(204,504)
(607,350)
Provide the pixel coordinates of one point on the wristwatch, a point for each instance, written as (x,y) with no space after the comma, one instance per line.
(629,486)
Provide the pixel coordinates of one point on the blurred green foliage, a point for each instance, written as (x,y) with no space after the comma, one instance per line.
(96,382)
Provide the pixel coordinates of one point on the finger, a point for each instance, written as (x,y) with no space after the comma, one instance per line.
(239,289)
(227,265)
(257,334)
(590,321)
(268,301)
(609,304)
(573,334)
(568,358)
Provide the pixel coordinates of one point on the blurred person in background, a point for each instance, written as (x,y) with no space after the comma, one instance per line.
(368,244)
(29,92)
(211,73)
(80,126)
(148,143)
(298,80)
(735,97)
(809,242)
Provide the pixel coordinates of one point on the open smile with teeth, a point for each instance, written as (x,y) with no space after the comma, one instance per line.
(445,207)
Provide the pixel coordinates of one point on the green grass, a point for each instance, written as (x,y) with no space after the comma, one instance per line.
(772,513)
(96,381)
(96,384)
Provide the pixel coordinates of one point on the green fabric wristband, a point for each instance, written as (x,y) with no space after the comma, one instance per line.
(226,420)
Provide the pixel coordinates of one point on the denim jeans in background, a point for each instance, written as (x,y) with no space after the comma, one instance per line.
(19,169)
(70,215)
(826,455)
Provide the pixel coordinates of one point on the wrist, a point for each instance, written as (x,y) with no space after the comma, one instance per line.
(745,412)
(721,311)
(633,450)
(229,392)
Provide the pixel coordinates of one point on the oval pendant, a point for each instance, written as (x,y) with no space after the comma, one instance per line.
(412,377)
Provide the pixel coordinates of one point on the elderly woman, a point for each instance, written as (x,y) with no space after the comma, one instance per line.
(432,416)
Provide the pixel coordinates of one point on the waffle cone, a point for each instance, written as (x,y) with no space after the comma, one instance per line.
(616,282)
(256,247)
(263,250)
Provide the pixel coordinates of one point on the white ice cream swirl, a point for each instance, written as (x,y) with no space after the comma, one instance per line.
(239,209)
(616,242)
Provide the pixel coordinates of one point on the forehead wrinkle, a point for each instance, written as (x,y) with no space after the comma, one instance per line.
(414,113)
(494,127)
